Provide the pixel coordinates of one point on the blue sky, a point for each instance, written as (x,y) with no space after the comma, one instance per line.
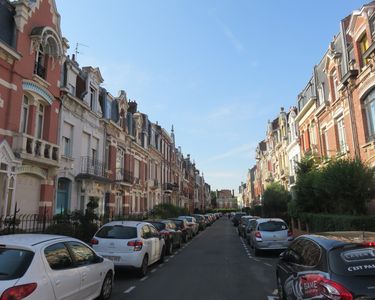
(216,70)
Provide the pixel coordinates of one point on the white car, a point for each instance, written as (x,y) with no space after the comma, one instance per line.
(130,244)
(191,222)
(53,267)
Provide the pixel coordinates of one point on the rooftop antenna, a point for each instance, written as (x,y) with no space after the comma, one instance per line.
(76,49)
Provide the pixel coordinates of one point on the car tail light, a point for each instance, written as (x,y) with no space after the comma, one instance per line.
(369,244)
(18,292)
(333,290)
(258,235)
(136,244)
(316,285)
(94,242)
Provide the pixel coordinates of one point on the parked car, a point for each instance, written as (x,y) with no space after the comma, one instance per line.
(187,232)
(201,221)
(43,266)
(169,231)
(332,265)
(191,222)
(236,218)
(249,228)
(130,244)
(270,234)
(244,221)
(207,219)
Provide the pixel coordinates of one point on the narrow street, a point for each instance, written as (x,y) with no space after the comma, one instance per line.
(216,264)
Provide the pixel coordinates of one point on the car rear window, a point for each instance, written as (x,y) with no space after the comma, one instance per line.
(356,261)
(272,226)
(158,226)
(14,263)
(117,232)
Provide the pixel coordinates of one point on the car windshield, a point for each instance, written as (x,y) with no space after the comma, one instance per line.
(189,219)
(14,263)
(353,261)
(117,232)
(272,226)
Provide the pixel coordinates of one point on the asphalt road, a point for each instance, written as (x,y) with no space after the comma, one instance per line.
(216,264)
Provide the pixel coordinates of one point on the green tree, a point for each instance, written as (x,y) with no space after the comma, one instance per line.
(275,200)
(342,186)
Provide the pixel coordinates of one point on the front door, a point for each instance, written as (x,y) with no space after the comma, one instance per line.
(63,193)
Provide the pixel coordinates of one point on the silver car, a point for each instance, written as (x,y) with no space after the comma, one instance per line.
(269,234)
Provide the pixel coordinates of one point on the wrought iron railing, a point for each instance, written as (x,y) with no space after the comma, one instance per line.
(93,167)
(123,175)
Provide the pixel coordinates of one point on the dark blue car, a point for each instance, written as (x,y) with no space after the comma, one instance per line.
(331,265)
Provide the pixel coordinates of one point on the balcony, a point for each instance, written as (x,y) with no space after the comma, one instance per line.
(170,187)
(153,184)
(124,176)
(93,169)
(30,148)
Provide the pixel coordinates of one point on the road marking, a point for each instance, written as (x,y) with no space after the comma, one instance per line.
(144,278)
(153,271)
(171,256)
(161,265)
(129,289)
(176,252)
(167,260)
(272,298)
(275,292)
(256,259)
(267,264)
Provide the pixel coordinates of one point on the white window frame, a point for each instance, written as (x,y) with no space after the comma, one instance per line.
(368,102)
(39,135)
(25,117)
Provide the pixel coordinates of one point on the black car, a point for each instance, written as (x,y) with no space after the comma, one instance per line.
(169,231)
(236,218)
(187,232)
(332,265)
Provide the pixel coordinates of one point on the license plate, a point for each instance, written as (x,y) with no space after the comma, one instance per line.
(113,258)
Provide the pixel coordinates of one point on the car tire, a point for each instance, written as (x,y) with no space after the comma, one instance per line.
(280,289)
(142,271)
(179,242)
(162,255)
(107,286)
(170,248)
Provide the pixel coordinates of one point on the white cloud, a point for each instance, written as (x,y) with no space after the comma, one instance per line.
(232,38)
(243,149)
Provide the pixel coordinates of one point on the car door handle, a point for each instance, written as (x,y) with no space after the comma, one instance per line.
(84,276)
(57,282)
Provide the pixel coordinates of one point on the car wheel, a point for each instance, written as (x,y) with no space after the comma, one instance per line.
(179,242)
(142,271)
(170,248)
(162,255)
(106,291)
(280,289)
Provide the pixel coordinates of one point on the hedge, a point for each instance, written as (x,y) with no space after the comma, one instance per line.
(329,222)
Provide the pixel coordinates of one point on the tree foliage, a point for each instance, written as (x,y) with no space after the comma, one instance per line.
(275,200)
(342,186)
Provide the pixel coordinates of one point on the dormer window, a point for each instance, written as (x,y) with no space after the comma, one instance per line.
(92,98)
(40,63)
(363,45)
(321,94)
(335,84)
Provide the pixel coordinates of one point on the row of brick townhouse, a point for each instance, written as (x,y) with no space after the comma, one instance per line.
(66,141)
(334,115)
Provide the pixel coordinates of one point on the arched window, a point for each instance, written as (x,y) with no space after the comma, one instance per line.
(40,63)
(369,106)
